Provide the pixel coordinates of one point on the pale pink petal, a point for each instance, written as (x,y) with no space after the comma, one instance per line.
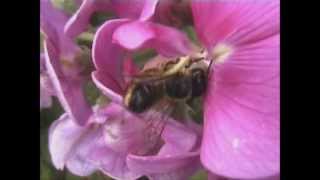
(166,40)
(112,163)
(78,161)
(107,56)
(52,21)
(68,91)
(79,22)
(241,111)
(178,139)
(160,164)
(234,21)
(183,173)
(124,132)
(109,154)
(63,133)
(174,160)
(133,35)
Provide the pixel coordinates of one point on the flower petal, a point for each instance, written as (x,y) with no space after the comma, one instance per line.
(133,35)
(182,173)
(79,22)
(124,132)
(99,150)
(109,87)
(160,164)
(178,139)
(174,160)
(67,90)
(131,9)
(241,111)
(148,9)
(63,133)
(112,163)
(52,20)
(107,56)
(234,21)
(167,41)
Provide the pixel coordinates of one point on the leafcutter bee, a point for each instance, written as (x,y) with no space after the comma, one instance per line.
(180,80)
(155,93)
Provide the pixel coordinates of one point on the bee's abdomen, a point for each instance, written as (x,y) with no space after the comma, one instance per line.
(178,87)
(199,82)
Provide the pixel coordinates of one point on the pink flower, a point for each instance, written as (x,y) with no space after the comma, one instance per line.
(112,141)
(62,63)
(241,107)
(132,9)
(111,62)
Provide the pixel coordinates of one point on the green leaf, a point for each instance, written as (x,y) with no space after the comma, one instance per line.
(141,57)
(200,175)
(191,34)
(92,92)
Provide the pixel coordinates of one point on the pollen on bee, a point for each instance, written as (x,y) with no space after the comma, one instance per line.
(221,52)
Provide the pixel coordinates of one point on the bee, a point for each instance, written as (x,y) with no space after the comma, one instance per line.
(180,80)
(162,89)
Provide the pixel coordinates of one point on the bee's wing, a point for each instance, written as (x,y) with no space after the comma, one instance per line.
(156,120)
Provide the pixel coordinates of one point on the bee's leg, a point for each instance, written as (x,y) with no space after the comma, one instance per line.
(189,105)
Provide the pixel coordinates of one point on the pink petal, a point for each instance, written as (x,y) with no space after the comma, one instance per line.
(63,133)
(131,8)
(52,20)
(160,164)
(67,90)
(109,87)
(233,21)
(133,35)
(79,22)
(148,9)
(174,160)
(112,163)
(110,156)
(166,40)
(182,173)
(178,139)
(79,162)
(124,132)
(241,129)
(107,56)
(130,68)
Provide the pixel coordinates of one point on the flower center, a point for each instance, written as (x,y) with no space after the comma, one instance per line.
(220,53)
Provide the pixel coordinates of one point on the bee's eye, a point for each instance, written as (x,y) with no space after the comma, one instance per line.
(199,82)
(178,86)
